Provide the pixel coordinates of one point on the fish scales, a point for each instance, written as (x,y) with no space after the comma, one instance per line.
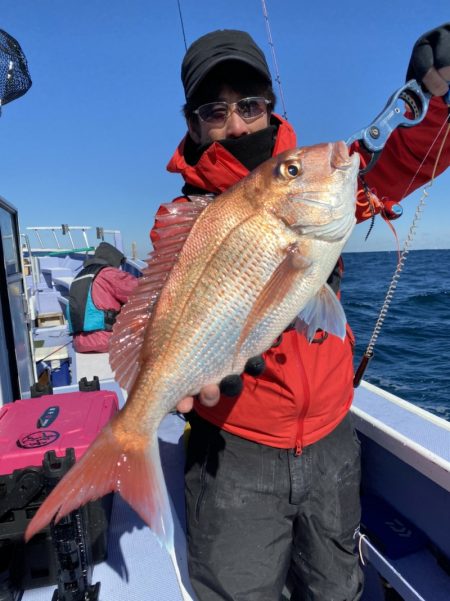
(236,272)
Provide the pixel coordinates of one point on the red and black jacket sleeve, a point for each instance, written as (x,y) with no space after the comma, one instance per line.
(408,160)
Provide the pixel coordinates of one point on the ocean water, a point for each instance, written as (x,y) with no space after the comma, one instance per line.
(412,354)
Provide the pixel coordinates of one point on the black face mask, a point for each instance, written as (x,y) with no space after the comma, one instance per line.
(250,150)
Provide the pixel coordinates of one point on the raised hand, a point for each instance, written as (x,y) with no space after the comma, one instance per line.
(430,60)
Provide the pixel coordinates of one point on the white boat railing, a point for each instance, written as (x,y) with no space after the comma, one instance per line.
(71,237)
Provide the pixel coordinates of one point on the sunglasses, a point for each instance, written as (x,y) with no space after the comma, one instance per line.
(217,113)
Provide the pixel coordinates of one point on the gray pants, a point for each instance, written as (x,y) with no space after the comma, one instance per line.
(256,513)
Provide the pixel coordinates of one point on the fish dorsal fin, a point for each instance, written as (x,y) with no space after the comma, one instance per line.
(173,224)
(324,312)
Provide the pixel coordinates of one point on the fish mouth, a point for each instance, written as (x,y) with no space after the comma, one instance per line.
(351,164)
(336,223)
(337,208)
(337,203)
(341,159)
(316,199)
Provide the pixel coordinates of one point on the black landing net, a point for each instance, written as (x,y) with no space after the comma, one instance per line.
(15,79)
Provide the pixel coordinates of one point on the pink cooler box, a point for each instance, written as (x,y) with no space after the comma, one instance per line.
(29,428)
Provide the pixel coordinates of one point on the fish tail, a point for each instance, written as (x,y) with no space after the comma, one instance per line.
(132,467)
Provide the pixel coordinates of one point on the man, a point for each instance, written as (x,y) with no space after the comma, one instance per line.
(96,296)
(272,473)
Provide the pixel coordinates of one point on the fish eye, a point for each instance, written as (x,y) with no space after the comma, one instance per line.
(290,170)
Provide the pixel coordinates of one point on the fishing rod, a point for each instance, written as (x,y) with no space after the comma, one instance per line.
(270,41)
(182,24)
(274,57)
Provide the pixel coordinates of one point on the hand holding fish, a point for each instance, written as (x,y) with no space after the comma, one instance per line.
(230,386)
(208,396)
(430,60)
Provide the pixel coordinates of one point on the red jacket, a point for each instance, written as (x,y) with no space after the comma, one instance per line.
(307,388)
(110,290)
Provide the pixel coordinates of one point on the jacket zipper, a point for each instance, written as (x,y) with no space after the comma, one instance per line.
(305,405)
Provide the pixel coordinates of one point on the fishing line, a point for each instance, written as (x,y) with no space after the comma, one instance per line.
(446,122)
(272,48)
(368,354)
(182,24)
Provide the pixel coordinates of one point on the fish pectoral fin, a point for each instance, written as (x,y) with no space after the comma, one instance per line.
(324,312)
(106,467)
(275,289)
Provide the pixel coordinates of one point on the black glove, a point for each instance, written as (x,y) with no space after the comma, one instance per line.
(431,50)
(232,385)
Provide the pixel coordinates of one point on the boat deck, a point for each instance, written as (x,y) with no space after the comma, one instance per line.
(89,365)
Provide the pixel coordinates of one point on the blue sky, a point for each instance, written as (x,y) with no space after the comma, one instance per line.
(89,143)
